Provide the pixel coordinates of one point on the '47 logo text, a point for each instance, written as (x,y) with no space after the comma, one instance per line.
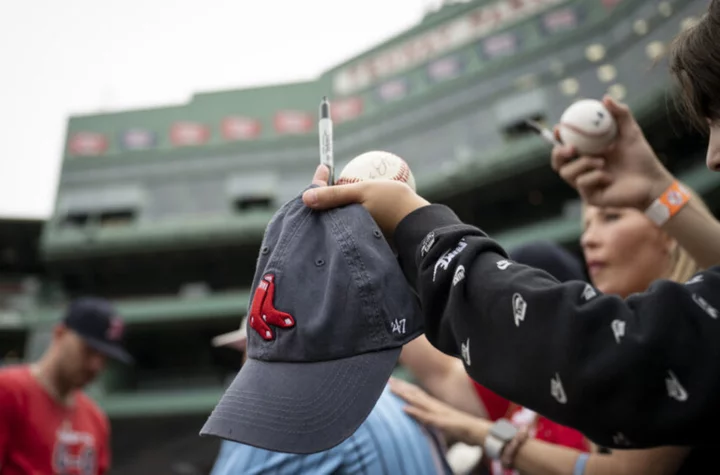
(398,326)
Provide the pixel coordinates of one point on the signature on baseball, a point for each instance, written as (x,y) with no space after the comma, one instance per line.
(380,165)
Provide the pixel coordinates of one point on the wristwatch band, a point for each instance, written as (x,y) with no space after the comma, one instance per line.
(668,204)
(500,434)
(493,447)
(508,454)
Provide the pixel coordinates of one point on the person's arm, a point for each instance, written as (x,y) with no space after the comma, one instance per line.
(441,375)
(535,456)
(582,359)
(697,231)
(543,458)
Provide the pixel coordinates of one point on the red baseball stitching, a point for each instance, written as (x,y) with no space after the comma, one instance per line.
(404,173)
(578,130)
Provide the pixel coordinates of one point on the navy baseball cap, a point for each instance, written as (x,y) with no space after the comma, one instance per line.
(550,257)
(330,313)
(99,325)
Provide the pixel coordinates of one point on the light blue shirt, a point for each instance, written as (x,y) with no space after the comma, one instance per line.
(389,442)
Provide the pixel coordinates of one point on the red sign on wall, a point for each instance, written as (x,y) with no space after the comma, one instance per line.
(87,144)
(189,133)
(293,122)
(240,128)
(342,110)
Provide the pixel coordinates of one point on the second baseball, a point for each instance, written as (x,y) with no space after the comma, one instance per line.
(588,126)
(377,165)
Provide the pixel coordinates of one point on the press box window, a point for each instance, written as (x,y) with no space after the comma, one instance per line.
(521,129)
(249,203)
(112,218)
(76,220)
(249,192)
(100,207)
(117,218)
(513,112)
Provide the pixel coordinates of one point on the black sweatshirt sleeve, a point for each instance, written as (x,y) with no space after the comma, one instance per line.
(639,372)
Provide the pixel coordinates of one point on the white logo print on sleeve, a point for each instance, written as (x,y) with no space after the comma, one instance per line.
(674,388)
(459,275)
(618,329)
(588,292)
(557,390)
(519,308)
(503,264)
(427,243)
(465,351)
(620,439)
(447,257)
(709,309)
(695,280)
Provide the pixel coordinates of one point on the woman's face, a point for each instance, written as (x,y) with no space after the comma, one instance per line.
(624,251)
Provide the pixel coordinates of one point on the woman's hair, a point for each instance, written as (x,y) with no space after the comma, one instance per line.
(683,265)
(695,65)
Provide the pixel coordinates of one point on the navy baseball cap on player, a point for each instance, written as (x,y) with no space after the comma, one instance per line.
(330,312)
(98,324)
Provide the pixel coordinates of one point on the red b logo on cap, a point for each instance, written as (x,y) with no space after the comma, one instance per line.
(115,329)
(263,312)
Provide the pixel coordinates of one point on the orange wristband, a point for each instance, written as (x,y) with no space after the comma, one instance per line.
(668,204)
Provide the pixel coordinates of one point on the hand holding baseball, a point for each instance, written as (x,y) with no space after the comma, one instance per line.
(626,174)
(388,201)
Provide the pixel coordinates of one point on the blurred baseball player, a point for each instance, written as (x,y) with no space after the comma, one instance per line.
(47,424)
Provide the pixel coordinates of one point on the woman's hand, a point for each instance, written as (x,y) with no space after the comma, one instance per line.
(387,201)
(456,425)
(627,174)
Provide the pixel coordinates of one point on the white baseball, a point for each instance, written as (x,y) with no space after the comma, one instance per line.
(376,165)
(588,126)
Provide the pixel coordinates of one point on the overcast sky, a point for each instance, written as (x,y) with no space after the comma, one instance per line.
(62,57)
